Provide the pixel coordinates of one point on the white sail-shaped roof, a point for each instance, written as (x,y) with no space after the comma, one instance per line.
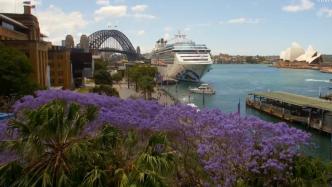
(292,53)
(309,56)
(282,55)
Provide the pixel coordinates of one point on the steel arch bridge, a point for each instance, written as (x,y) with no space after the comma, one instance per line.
(103,40)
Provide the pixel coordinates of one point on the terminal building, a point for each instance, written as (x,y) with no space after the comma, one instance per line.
(53,66)
(21,31)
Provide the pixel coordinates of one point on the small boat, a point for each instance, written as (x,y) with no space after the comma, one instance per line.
(192,105)
(203,89)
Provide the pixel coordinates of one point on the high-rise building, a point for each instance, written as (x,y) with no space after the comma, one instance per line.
(84,43)
(138,50)
(69,42)
(21,31)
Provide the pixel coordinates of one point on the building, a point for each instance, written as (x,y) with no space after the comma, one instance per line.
(296,53)
(82,65)
(84,43)
(21,31)
(69,42)
(60,67)
(291,53)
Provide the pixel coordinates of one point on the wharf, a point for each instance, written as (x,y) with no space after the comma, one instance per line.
(313,112)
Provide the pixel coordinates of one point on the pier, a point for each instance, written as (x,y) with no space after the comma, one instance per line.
(313,112)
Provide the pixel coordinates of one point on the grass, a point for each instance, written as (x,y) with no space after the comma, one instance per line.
(83,90)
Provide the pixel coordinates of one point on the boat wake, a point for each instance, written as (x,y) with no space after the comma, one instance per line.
(317,80)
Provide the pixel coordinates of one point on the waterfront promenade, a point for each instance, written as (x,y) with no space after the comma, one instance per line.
(160,95)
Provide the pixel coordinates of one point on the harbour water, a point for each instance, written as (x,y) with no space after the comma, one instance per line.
(232,83)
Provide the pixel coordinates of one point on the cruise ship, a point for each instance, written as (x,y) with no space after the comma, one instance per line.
(181,59)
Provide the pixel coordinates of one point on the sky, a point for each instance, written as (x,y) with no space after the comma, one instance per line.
(236,27)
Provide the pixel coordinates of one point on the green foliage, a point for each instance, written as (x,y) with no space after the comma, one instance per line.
(102,77)
(53,148)
(117,77)
(306,172)
(105,90)
(15,73)
(100,65)
(146,84)
(251,60)
(311,172)
(142,75)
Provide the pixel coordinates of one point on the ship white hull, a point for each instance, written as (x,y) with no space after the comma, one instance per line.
(183,72)
(183,60)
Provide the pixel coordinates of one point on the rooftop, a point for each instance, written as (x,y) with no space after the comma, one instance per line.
(298,100)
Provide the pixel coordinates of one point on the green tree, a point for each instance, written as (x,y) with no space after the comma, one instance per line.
(15,73)
(308,171)
(146,84)
(106,90)
(100,65)
(103,77)
(251,60)
(117,77)
(138,71)
(49,147)
(53,147)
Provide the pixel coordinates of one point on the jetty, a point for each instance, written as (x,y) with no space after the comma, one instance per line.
(312,112)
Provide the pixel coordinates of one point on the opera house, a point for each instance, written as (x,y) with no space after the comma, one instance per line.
(297,54)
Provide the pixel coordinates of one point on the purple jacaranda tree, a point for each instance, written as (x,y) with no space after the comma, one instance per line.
(229,147)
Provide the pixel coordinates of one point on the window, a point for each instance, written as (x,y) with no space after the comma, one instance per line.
(7,26)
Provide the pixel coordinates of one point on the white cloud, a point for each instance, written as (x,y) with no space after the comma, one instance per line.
(141,33)
(144,16)
(187,29)
(13,6)
(110,11)
(56,24)
(167,36)
(243,20)
(301,5)
(325,12)
(139,8)
(168,29)
(103,2)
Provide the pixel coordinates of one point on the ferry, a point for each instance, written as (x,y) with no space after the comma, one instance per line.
(181,59)
(203,89)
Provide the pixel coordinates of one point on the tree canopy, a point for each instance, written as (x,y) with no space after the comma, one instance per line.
(146,85)
(103,77)
(105,90)
(15,73)
(139,72)
(55,140)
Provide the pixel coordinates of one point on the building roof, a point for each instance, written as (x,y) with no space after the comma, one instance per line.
(10,20)
(292,52)
(309,56)
(298,100)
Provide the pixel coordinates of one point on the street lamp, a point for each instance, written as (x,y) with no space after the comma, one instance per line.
(127,65)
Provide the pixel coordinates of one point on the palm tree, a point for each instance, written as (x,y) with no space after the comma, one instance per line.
(52,148)
(50,140)
(146,84)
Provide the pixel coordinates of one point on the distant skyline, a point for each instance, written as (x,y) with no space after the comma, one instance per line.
(241,27)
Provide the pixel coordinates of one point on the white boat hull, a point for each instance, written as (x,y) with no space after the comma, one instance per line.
(183,72)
